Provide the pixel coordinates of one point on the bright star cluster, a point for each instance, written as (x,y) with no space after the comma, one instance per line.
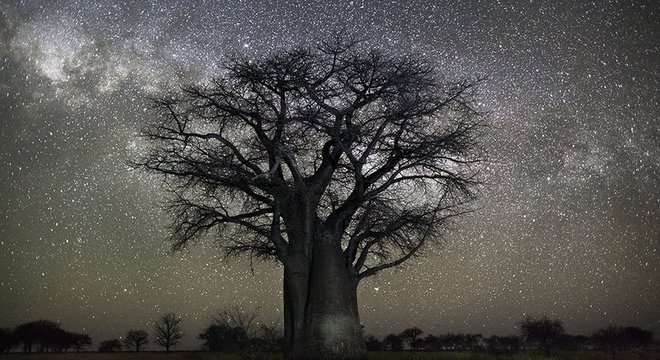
(567,223)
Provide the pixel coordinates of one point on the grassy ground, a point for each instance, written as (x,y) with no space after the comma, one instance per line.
(377,355)
(569,355)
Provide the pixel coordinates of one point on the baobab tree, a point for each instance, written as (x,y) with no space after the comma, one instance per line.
(336,160)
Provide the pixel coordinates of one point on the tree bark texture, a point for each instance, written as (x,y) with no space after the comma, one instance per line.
(320,309)
(321,317)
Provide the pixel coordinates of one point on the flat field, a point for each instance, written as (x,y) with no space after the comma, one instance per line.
(375,355)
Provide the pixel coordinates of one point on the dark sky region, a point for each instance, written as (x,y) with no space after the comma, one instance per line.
(568,223)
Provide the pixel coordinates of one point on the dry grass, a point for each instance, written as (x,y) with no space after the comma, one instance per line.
(124,355)
(377,355)
(567,355)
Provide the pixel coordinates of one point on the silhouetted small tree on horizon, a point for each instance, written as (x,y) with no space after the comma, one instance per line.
(373,344)
(412,336)
(79,341)
(542,332)
(222,337)
(503,343)
(393,342)
(168,331)
(431,342)
(110,345)
(619,338)
(135,339)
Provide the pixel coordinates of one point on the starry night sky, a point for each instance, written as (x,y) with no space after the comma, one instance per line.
(568,221)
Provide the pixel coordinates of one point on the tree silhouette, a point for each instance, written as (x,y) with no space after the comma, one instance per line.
(503,343)
(46,336)
(60,340)
(432,342)
(338,161)
(168,331)
(40,333)
(110,345)
(79,341)
(222,337)
(543,332)
(235,317)
(617,338)
(393,342)
(7,340)
(135,339)
(373,344)
(412,336)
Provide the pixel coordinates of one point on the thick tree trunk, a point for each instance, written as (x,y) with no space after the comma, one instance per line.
(296,278)
(321,318)
(320,306)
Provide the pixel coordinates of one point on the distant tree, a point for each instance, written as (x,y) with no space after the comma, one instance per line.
(337,161)
(236,317)
(232,328)
(373,344)
(432,342)
(110,345)
(80,341)
(618,338)
(40,333)
(460,341)
(168,331)
(7,340)
(412,336)
(451,341)
(222,337)
(471,342)
(503,343)
(393,342)
(542,332)
(60,340)
(135,339)
(572,342)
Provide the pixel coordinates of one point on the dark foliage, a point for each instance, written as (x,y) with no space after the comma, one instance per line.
(432,343)
(110,345)
(44,335)
(503,343)
(393,342)
(412,337)
(7,340)
(222,337)
(621,338)
(136,339)
(572,342)
(373,344)
(234,329)
(544,333)
(41,334)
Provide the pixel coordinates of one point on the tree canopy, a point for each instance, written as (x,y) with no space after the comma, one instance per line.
(136,339)
(384,146)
